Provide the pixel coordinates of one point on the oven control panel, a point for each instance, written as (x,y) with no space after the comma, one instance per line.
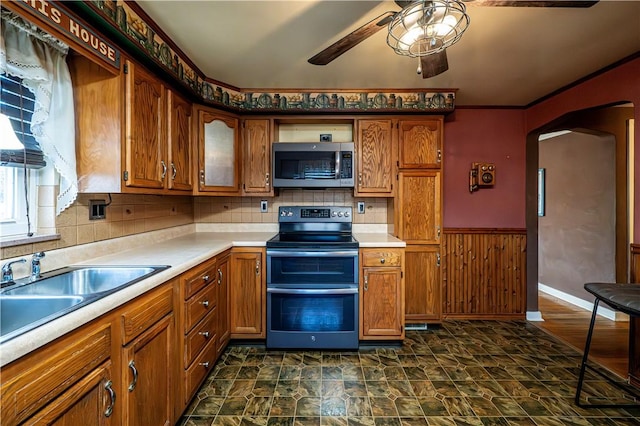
(315,214)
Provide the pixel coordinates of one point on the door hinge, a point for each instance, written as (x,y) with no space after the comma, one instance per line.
(125,69)
(125,176)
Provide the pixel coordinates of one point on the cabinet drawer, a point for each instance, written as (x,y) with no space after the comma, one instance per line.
(200,368)
(202,333)
(199,306)
(145,312)
(30,383)
(204,274)
(382,257)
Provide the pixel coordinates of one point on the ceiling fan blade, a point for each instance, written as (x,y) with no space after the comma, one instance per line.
(532,3)
(434,64)
(352,39)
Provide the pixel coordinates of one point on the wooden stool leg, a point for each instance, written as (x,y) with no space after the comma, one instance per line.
(585,356)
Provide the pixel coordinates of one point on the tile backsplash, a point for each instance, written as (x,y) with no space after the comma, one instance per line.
(247,209)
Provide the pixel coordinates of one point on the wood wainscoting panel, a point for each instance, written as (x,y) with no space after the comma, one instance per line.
(484,273)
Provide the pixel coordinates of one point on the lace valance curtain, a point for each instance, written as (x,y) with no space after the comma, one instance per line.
(39,60)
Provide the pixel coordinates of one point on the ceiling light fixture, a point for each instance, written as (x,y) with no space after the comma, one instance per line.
(426,28)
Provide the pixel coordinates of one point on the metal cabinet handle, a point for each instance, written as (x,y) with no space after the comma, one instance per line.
(202,177)
(437,259)
(164,169)
(204,334)
(112,396)
(175,172)
(438,232)
(366,282)
(382,260)
(439,159)
(204,364)
(205,303)
(266,177)
(205,278)
(134,370)
(219,276)
(360,179)
(257,267)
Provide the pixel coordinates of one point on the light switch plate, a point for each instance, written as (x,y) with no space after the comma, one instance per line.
(360,207)
(263,206)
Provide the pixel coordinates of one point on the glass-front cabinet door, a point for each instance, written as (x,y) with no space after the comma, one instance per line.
(218,153)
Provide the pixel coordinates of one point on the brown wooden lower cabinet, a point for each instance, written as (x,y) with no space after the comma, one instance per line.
(247,293)
(423,284)
(381,294)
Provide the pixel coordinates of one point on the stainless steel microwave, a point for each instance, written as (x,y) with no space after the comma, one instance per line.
(313,165)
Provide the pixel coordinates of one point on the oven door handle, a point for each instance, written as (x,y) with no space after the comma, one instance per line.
(296,253)
(353,290)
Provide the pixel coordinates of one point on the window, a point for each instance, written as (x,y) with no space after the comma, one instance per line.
(18,175)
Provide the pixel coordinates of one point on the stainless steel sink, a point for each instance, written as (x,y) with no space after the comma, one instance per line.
(19,311)
(83,281)
(26,304)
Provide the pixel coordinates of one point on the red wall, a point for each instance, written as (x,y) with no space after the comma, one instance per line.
(485,135)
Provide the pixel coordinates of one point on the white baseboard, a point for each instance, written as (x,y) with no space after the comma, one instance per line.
(581,303)
(534,316)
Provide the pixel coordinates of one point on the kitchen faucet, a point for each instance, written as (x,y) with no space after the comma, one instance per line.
(7,272)
(35,265)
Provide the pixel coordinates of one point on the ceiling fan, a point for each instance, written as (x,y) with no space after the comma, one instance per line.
(435,63)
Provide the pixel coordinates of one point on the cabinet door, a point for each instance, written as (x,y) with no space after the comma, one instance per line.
(247,295)
(382,303)
(420,143)
(423,283)
(145,162)
(218,154)
(224,326)
(148,394)
(89,402)
(179,144)
(257,157)
(374,149)
(419,211)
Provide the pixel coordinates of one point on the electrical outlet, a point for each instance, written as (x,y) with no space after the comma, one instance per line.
(360,207)
(97,209)
(263,206)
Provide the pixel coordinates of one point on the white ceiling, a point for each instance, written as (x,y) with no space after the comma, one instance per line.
(508,55)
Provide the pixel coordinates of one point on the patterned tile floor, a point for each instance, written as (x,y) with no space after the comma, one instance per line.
(462,373)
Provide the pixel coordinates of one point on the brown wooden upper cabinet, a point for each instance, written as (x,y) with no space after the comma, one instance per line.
(419,210)
(256,170)
(133,133)
(218,152)
(420,143)
(375,158)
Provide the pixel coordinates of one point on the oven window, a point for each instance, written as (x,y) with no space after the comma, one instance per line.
(292,312)
(313,270)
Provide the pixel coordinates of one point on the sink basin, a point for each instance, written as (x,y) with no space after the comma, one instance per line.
(83,280)
(19,311)
(26,305)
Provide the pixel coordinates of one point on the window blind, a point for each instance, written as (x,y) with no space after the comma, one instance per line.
(17,103)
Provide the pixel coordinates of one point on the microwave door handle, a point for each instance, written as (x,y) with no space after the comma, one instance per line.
(338,153)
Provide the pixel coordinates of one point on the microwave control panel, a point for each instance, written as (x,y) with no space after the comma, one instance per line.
(346,168)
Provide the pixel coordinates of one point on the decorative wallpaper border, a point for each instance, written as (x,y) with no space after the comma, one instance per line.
(121,16)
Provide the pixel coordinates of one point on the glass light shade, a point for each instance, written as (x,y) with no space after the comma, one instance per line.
(427,27)
(8,138)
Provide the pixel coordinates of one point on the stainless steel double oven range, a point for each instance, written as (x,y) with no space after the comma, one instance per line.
(312,280)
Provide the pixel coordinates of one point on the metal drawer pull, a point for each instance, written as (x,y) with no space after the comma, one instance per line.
(204,364)
(219,276)
(164,169)
(205,278)
(205,303)
(112,397)
(204,334)
(382,260)
(132,385)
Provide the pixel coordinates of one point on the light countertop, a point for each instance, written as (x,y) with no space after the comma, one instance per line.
(181,253)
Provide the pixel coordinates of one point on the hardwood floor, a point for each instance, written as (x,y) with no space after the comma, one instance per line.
(610,341)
